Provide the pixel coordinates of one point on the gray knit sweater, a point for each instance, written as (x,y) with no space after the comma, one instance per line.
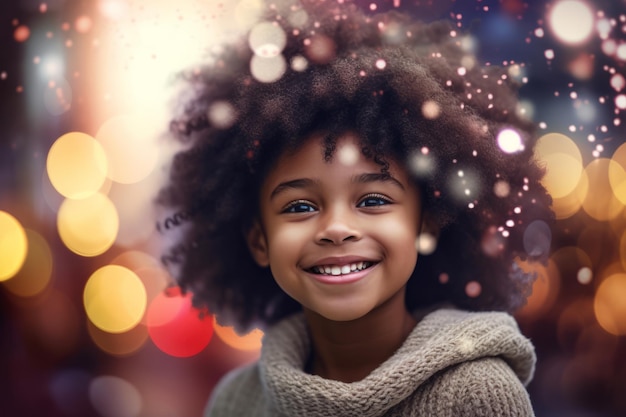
(454,363)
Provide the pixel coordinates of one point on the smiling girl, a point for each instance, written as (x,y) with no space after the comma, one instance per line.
(360,208)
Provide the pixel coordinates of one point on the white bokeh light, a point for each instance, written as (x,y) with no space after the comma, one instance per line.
(572,21)
(510,141)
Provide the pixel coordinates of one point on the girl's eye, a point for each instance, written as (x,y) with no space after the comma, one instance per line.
(373,200)
(300,206)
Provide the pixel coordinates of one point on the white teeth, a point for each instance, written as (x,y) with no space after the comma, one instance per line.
(341,270)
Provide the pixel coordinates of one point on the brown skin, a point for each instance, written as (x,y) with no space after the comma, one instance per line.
(333,214)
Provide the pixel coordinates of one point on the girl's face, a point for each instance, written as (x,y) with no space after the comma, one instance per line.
(338,236)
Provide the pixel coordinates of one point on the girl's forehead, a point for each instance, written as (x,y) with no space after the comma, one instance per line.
(346,151)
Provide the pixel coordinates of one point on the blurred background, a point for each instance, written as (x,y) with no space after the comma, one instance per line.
(90,322)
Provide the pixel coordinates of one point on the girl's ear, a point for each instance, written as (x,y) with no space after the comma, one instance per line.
(257,244)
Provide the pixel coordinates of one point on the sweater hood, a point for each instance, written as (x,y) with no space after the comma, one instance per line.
(440,340)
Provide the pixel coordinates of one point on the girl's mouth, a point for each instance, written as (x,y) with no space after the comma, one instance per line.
(336,270)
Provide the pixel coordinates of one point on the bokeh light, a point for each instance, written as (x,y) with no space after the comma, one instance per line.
(563,162)
(268,69)
(131,146)
(572,21)
(112,396)
(617,173)
(267,39)
(609,305)
(13,246)
(36,272)
(114,299)
(118,344)
(176,327)
(89,226)
(601,203)
(510,141)
(76,165)
(250,341)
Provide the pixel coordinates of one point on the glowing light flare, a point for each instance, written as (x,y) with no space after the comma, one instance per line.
(571,21)
(348,154)
(537,238)
(83,24)
(510,141)
(114,299)
(21,33)
(88,227)
(248,12)
(136,210)
(617,173)
(545,288)
(501,188)
(113,9)
(250,341)
(563,162)
(609,306)
(130,144)
(76,165)
(320,49)
(426,243)
(267,39)
(222,114)
(618,82)
(13,246)
(35,274)
(568,205)
(431,109)
(602,204)
(268,69)
(620,101)
(299,63)
(473,289)
(119,344)
(128,401)
(584,275)
(176,327)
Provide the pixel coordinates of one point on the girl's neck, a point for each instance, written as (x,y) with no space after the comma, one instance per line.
(348,351)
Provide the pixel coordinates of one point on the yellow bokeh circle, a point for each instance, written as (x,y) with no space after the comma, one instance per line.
(115,299)
(600,202)
(609,306)
(563,162)
(13,246)
(89,226)
(76,165)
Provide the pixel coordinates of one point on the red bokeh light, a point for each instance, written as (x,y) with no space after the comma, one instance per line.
(176,327)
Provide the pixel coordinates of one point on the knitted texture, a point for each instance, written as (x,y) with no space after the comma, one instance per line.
(454,363)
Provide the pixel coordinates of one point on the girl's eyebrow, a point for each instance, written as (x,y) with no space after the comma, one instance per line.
(361,179)
(297,183)
(377,177)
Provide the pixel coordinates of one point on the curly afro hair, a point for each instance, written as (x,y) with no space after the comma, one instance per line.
(413,93)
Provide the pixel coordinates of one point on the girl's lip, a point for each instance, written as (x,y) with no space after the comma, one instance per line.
(342,279)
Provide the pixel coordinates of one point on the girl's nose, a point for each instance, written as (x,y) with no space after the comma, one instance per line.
(337,227)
